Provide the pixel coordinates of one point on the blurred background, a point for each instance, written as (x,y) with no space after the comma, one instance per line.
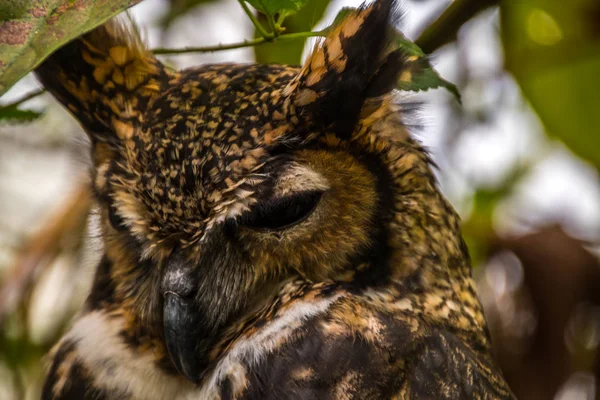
(519,159)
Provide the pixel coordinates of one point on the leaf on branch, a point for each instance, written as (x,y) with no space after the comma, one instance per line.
(30,30)
(13,114)
(418,74)
(282,7)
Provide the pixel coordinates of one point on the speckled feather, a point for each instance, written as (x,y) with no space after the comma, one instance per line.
(368,296)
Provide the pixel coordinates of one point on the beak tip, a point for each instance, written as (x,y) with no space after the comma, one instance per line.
(179,329)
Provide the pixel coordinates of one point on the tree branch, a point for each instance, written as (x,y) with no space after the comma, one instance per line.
(239,45)
(444,29)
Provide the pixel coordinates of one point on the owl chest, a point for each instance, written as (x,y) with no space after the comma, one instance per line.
(317,356)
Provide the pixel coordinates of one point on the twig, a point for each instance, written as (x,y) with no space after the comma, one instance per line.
(23,99)
(255,21)
(231,46)
(444,29)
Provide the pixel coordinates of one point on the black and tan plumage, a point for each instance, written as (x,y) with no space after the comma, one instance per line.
(270,232)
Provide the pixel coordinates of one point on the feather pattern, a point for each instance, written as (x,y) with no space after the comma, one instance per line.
(270,232)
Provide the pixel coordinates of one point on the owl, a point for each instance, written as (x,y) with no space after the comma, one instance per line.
(269,231)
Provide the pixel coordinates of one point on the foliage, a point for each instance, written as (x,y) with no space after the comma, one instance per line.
(554,53)
(30,30)
(278,52)
(12,113)
(419,74)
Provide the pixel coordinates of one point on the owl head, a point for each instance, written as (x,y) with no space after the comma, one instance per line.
(217,185)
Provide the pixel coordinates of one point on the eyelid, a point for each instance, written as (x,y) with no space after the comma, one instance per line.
(279,213)
(300,178)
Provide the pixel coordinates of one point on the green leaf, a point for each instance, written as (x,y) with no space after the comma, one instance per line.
(30,30)
(411,48)
(282,7)
(290,51)
(418,74)
(553,51)
(12,113)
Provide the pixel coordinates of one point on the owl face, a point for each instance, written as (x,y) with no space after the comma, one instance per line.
(226,197)
(218,185)
(227,190)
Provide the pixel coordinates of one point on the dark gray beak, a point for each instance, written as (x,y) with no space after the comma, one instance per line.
(182,319)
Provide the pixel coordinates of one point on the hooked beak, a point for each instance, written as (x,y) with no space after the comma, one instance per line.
(182,319)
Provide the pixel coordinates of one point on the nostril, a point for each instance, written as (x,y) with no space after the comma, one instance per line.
(179,277)
(175,295)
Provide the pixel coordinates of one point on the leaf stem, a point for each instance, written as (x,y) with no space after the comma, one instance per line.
(23,99)
(239,45)
(280,19)
(445,28)
(272,24)
(266,35)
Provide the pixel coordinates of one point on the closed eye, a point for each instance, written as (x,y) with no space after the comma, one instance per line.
(281,212)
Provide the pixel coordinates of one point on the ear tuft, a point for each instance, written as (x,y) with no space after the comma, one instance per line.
(105,78)
(354,62)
